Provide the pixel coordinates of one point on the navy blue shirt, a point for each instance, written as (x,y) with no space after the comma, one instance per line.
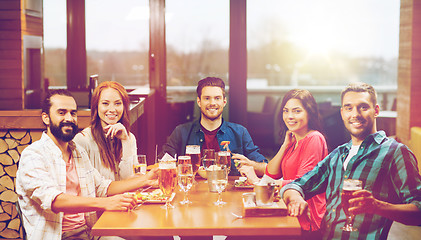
(191,134)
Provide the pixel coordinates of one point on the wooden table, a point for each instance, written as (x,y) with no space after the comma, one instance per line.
(200,218)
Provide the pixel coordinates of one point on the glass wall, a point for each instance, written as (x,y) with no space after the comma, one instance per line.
(316,44)
(117,41)
(197,35)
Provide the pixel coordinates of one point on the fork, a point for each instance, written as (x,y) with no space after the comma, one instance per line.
(235,215)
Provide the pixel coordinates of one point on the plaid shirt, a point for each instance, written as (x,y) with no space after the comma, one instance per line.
(387,168)
(41,176)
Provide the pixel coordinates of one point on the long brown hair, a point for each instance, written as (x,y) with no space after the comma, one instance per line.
(110,153)
(309,104)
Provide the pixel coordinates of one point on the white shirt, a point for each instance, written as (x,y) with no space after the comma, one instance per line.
(352,152)
(41,176)
(125,167)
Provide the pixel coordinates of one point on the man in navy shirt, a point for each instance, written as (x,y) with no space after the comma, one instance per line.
(211,129)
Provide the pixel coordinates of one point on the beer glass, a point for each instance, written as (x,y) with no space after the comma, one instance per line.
(208,158)
(349,186)
(140,166)
(167,178)
(224,158)
(184,160)
(185,180)
(220,181)
(194,152)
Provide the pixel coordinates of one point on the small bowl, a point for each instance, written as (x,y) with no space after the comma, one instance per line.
(202,172)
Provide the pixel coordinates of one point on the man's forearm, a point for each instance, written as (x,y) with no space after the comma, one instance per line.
(408,214)
(76,204)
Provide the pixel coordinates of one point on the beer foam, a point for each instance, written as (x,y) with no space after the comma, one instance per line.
(223,153)
(167,165)
(352,185)
(192,149)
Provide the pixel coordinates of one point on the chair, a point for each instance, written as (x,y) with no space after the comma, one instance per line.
(264,126)
(18,210)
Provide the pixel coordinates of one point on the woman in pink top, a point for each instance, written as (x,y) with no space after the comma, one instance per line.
(304,146)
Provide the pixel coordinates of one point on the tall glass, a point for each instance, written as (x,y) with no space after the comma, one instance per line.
(185,180)
(140,166)
(224,158)
(167,178)
(349,186)
(208,158)
(194,152)
(220,181)
(184,160)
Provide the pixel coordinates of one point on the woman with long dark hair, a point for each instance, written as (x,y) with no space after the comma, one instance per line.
(110,144)
(304,146)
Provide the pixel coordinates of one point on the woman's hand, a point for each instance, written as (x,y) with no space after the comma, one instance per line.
(241,160)
(289,138)
(248,171)
(116,130)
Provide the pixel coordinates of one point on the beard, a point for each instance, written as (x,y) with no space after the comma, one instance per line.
(65,136)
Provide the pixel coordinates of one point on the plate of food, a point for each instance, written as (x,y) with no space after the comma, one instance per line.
(243,183)
(156,196)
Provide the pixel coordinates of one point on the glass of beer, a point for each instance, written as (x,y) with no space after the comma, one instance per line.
(224,158)
(349,186)
(167,178)
(194,152)
(185,180)
(140,166)
(184,160)
(208,158)
(220,181)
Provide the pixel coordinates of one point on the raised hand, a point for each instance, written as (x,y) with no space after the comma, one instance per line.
(116,130)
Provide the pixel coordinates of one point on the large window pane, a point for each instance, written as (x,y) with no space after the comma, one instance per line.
(117,40)
(322,43)
(55,41)
(197,35)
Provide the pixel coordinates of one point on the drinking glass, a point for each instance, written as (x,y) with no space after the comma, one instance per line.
(194,152)
(185,180)
(224,158)
(167,178)
(140,166)
(220,181)
(349,186)
(208,158)
(184,160)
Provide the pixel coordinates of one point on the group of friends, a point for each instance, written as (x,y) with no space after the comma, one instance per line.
(68,177)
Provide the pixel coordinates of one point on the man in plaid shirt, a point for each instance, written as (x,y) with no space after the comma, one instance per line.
(388,170)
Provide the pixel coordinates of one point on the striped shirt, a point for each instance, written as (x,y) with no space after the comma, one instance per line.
(387,168)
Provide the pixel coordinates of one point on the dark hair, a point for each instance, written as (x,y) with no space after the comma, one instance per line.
(46,104)
(210,82)
(110,153)
(309,104)
(361,87)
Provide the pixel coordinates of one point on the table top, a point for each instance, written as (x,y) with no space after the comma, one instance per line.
(200,218)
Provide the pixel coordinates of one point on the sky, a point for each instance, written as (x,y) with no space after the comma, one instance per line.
(357,27)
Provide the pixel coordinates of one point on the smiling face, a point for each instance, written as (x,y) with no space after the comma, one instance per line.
(295,117)
(62,119)
(110,107)
(359,115)
(211,103)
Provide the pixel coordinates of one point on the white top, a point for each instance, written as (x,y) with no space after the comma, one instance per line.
(352,152)
(41,176)
(125,168)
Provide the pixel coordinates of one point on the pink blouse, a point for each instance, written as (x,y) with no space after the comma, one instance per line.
(295,163)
